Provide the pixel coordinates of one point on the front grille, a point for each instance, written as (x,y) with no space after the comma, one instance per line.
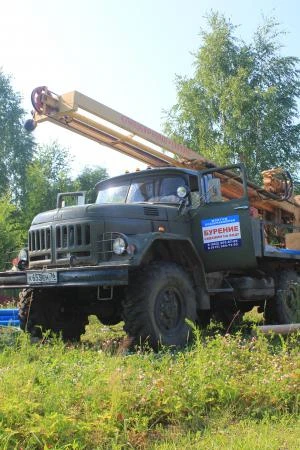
(72,239)
(72,235)
(64,240)
(39,244)
(40,239)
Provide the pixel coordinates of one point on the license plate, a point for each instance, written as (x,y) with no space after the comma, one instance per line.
(42,277)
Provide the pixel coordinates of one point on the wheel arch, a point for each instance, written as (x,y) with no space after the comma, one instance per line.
(183,252)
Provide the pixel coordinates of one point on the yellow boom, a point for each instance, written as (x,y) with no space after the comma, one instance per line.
(87,117)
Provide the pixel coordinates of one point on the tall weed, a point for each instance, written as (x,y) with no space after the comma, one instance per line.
(54,395)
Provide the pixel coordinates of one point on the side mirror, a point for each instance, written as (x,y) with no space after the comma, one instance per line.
(80,197)
(183,192)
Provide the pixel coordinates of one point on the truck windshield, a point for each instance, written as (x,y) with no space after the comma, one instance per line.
(150,190)
(113,194)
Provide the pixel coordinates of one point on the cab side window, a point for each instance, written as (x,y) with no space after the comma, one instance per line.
(195,193)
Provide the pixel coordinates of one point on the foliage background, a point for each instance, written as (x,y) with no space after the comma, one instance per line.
(241,104)
(30,175)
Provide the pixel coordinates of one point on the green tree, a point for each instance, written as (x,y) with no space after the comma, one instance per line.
(87,180)
(46,175)
(241,102)
(16,146)
(10,232)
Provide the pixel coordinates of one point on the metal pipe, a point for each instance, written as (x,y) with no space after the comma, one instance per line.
(278,329)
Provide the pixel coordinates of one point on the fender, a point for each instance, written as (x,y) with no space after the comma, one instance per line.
(171,247)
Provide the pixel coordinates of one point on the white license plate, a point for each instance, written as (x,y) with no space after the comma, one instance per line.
(42,277)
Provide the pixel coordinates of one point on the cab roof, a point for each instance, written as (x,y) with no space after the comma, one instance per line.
(148,172)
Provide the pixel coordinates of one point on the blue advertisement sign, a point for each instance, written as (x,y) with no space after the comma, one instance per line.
(221,232)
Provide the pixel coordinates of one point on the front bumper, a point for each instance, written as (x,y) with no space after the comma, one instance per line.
(107,275)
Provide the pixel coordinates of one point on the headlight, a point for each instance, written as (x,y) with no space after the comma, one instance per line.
(22,259)
(23,255)
(119,246)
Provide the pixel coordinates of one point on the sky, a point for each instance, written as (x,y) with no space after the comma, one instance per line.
(124,54)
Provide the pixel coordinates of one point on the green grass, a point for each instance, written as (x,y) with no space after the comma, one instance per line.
(231,392)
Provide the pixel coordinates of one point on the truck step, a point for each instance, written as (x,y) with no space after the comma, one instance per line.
(219,291)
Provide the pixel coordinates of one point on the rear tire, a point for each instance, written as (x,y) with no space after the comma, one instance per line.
(284,308)
(159,300)
(49,309)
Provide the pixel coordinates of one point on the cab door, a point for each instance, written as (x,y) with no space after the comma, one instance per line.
(221,227)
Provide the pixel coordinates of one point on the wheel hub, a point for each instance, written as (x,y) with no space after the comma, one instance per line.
(168,309)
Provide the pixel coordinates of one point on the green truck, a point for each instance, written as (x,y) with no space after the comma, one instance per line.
(160,248)
(157,247)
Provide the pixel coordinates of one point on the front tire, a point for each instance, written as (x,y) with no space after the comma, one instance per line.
(50,309)
(160,298)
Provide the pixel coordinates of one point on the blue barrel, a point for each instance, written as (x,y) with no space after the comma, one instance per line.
(9,317)
(8,311)
(9,323)
(6,318)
